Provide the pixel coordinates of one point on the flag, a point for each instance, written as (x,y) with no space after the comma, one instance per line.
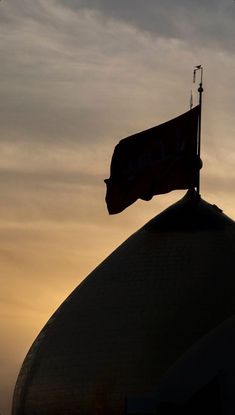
(155,161)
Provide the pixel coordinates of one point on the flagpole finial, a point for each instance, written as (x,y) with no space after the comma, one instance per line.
(200,89)
(197,68)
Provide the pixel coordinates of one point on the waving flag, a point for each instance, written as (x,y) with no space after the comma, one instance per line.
(154,161)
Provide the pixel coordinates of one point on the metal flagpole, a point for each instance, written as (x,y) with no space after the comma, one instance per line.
(200,91)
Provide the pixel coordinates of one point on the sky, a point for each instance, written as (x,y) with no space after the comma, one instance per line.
(76,76)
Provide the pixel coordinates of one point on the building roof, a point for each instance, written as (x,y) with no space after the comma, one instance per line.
(201,381)
(123,327)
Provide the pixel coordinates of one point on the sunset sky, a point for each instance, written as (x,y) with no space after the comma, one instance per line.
(77,76)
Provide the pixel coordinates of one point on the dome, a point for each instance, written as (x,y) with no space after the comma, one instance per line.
(125,325)
(201,381)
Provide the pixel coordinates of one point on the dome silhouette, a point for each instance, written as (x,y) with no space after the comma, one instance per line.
(201,381)
(125,325)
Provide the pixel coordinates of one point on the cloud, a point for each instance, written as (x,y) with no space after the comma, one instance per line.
(77,76)
(71,77)
(76,80)
(201,24)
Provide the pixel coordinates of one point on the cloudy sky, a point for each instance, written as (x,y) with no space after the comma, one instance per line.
(76,76)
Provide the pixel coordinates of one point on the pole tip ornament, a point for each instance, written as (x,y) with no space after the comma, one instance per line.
(200,89)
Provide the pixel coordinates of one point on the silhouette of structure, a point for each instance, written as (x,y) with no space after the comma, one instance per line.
(201,381)
(124,327)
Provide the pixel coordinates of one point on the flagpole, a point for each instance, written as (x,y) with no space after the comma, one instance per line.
(200,91)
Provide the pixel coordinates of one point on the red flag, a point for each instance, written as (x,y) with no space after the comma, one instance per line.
(155,161)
